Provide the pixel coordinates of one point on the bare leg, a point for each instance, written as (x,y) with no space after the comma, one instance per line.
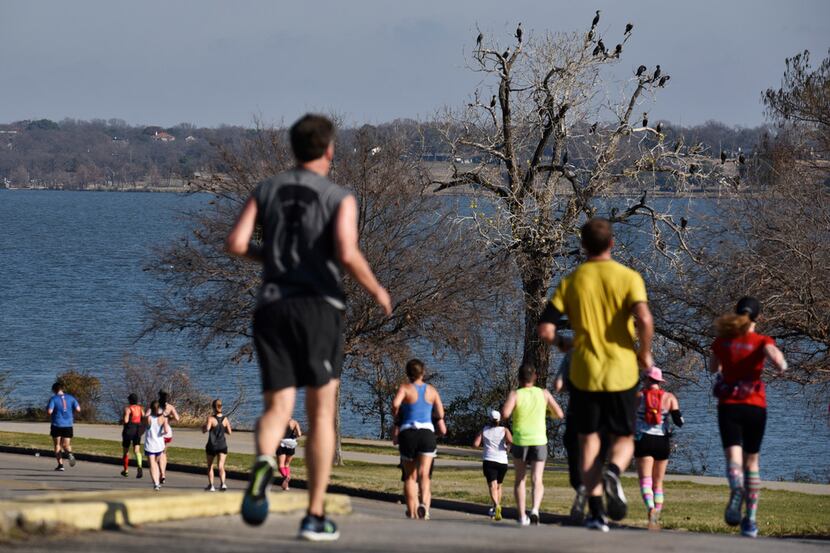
(56,442)
(519,487)
(494,492)
(155,472)
(622,450)
(410,487)
(222,457)
(320,406)
(210,469)
(162,462)
(537,474)
(271,425)
(591,467)
(66,444)
(423,480)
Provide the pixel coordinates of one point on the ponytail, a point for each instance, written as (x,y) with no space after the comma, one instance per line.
(732,325)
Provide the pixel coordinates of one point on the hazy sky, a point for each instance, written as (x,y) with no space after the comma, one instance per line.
(210,62)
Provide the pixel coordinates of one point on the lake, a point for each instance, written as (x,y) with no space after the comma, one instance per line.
(72,293)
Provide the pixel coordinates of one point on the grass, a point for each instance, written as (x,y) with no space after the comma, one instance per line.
(689,506)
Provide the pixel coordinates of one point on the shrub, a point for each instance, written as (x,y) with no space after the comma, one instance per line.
(86,389)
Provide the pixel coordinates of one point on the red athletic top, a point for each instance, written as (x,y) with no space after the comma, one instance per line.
(743,358)
(135,414)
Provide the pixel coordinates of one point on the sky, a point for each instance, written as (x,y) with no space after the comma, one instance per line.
(210,62)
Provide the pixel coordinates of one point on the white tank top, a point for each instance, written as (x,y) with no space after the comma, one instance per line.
(495,447)
(154,437)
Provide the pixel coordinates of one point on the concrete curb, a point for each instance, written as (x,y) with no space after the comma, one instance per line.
(111,510)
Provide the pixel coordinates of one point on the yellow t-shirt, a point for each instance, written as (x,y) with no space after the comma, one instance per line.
(597,298)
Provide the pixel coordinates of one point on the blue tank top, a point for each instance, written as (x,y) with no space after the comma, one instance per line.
(418,414)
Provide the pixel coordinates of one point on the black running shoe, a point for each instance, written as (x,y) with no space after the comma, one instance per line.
(578,507)
(534,518)
(139,473)
(313,528)
(422,511)
(162,479)
(124,473)
(255,500)
(59,468)
(614,496)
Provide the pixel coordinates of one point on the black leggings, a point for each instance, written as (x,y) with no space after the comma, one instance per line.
(742,425)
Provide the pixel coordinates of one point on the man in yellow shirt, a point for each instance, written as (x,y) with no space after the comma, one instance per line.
(599,297)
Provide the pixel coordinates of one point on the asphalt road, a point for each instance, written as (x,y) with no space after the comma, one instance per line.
(374,526)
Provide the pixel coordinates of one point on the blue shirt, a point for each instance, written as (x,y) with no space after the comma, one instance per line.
(63,410)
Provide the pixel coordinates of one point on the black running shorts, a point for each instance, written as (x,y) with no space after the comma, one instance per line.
(131,435)
(61,431)
(214,452)
(612,412)
(290,451)
(299,342)
(414,442)
(494,471)
(657,447)
(742,425)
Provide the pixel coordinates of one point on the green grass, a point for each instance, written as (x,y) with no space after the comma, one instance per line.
(689,506)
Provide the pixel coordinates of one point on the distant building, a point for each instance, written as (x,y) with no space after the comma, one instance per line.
(190,138)
(163,136)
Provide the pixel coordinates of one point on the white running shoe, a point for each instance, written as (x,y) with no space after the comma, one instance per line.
(210,488)
(592,523)
(525,521)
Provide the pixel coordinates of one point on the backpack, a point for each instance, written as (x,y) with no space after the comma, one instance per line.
(652,404)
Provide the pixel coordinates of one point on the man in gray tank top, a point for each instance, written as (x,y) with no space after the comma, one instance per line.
(309,235)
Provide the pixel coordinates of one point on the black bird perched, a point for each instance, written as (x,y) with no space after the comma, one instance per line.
(656,74)
(493,101)
(602,46)
(628,28)
(692,169)
(663,80)
(659,128)
(618,50)
(593,129)
(479,39)
(596,51)
(591,34)
(596,20)
(741,159)
(683,223)
(722,157)
(506,54)
(645,119)
(519,33)
(641,70)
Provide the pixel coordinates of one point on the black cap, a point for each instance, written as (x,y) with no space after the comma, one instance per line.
(748,305)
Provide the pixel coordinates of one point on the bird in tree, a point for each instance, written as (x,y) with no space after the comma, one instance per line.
(519,33)
(656,74)
(663,80)
(659,128)
(478,40)
(645,119)
(493,101)
(506,54)
(628,28)
(597,50)
(683,223)
(602,46)
(618,50)
(741,159)
(593,129)
(692,169)
(722,157)
(641,70)
(591,34)
(596,20)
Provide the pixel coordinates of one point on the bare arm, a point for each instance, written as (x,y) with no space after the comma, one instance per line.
(438,408)
(509,405)
(508,437)
(553,406)
(298,429)
(714,363)
(226,421)
(645,332)
(774,354)
(477,441)
(173,414)
(126,416)
(350,256)
(165,425)
(398,400)
(208,424)
(239,239)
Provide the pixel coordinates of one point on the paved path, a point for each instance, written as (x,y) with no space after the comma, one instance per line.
(373,527)
(242,442)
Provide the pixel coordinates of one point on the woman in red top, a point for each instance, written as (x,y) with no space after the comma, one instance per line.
(739,355)
(131,435)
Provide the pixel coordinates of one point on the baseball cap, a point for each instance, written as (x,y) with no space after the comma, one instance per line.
(495,415)
(655,374)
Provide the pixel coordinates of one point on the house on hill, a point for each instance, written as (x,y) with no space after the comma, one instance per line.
(163,136)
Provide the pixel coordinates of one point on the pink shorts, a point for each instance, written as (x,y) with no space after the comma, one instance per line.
(168,440)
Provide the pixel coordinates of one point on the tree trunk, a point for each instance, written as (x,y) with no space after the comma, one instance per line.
(535,288)
(338,446)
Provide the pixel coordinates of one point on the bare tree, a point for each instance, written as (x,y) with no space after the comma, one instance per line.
(552,143)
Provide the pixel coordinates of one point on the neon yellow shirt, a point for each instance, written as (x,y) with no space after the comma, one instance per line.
(529,417)
(597,298)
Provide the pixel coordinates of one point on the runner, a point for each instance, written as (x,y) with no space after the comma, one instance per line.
(287,449)
(570,439)
(528,405)
(131,435)
(738,357)
(496,440)
(217,426)
(170,414)
(62,408)
(415,401)
(309,232)
(599,297)
(652,441)
(154,444)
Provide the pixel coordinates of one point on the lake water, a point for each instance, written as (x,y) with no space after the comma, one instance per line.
(72,293)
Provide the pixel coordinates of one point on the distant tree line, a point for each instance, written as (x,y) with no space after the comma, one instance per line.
(76,154)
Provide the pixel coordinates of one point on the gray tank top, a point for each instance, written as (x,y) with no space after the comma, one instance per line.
(296,210)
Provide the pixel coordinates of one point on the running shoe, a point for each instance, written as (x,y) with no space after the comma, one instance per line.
(255,500)
(313,528)
(124,473)
(491,512)
(497,514)
(748,528)
(732,516)
(71,459)
(653,519)
(578,507)
(162,479)
(422,511)
(592,523)
(156,487)
(525,521)
(210,488)
(614,496)
(534,518)
(139,473)
(223,487)
(59,468)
